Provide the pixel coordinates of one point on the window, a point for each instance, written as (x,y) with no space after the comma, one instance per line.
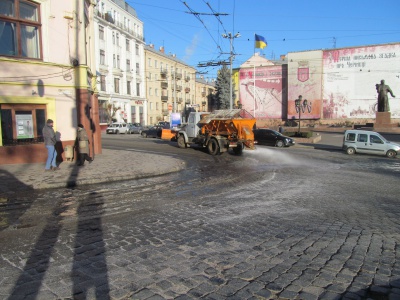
(102,82)
(117,39)
(375,139)
(128,47)
(155,64)
(137,49)
(137,68)
(118,62)
(149,62)
(22,124)
(116,85)
(156,92)
(138,89)
(114,61)
(150,92)
(20,29)
(351,137)
(101,33)
(128,87)
(362,138)
(128,65)
(102,57)
(149,76)
(113,38)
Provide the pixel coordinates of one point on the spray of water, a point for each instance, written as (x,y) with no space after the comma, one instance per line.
(275,156)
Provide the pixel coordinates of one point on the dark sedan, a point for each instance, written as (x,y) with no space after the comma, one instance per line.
(153,131)
(272,138)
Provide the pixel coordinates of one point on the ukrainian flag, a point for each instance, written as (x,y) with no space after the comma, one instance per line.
(260,42)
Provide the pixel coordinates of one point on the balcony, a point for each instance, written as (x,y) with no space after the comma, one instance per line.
(203,94)
(178,88)
(165,112)
(179,100)
(177,75)
(164,98)
(187,90)
(164,85)
(163,73)
(204,103)
(187,78)
(109,18)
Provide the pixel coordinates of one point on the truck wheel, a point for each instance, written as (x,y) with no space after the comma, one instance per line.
(239,149)
(391,154)
(181,141)
(213,147)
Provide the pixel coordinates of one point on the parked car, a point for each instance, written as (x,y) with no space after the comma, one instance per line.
(116,128)
(370,142)
(153,131)
(135,128)
(271,137)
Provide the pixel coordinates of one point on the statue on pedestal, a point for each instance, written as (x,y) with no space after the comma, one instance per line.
(383,101)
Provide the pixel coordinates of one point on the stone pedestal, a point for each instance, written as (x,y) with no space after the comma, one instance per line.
(383,119)
(383,123)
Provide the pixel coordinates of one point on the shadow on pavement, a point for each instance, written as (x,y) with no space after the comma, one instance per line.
(89,269)
(12,207)
(376,291)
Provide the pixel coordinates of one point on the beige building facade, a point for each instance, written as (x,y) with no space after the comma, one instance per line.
(170,85)
(205,91)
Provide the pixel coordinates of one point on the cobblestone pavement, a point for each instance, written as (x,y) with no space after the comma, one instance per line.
(273,224)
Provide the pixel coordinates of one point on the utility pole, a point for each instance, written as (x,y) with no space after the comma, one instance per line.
(231,37)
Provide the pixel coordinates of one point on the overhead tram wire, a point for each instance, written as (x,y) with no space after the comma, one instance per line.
(198,18)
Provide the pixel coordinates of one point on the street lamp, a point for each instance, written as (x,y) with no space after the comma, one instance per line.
(301,106)
(231,37)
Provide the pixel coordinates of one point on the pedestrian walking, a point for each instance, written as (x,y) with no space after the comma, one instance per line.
(50,140)
(82,142)
(281,130)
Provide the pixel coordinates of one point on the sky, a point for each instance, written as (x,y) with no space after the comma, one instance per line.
(190,29)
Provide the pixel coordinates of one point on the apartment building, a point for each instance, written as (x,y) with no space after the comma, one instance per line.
(46,72)
(170,85)
(205,90)
(119,52)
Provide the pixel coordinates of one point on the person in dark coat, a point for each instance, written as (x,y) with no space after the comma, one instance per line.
(82,142)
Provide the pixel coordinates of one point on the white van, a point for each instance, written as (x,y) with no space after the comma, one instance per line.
(117,128)
(370,142)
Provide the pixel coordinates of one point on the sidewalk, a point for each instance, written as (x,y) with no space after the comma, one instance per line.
(111,165)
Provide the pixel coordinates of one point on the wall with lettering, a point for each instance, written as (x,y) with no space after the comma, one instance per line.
(350,76)
(262,92)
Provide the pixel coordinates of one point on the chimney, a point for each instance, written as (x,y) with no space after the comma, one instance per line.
(151,46)
(283,56)
(162,49)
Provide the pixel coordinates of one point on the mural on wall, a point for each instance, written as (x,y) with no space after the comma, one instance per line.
(305,80)
(350,77)
(262,98)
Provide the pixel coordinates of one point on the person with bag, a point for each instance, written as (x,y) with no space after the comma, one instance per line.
(49,137)
(82,142)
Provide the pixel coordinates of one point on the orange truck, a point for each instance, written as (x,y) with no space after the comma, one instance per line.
(218,131)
